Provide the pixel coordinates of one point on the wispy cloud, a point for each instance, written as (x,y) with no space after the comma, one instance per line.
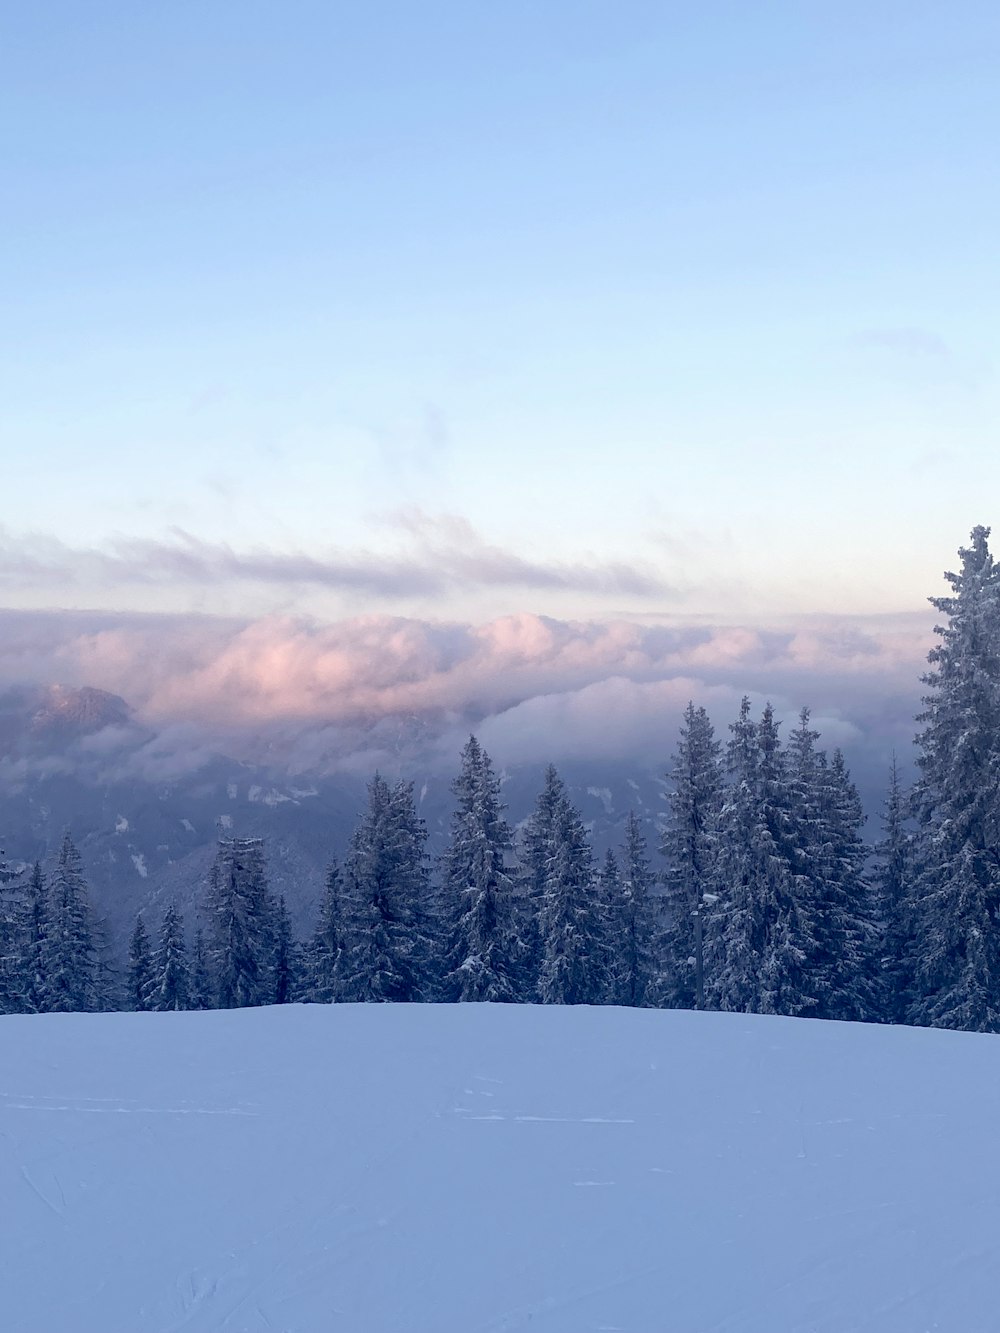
(908,341)
(438,555)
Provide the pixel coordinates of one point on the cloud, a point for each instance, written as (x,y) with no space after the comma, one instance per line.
(439,555)
(908,341)
(303,695)
(921,358)
(609,720)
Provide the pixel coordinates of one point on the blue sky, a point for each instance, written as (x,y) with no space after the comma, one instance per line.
(705,293)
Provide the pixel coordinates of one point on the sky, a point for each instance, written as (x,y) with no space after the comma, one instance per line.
(610,312)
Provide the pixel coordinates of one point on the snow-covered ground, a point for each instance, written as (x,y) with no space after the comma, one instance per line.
(472,1169)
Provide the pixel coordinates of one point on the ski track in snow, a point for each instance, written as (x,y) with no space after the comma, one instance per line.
(91,1106)
(467,1113)
(60,1208)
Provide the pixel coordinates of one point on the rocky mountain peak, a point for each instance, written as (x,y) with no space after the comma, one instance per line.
(67,711)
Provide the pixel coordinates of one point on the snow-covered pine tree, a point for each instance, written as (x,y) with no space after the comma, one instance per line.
(846,927)
(70,963)
(35,942)
(537,849)
(610,878)
(286,962)
(828,859)
(956,800)
(12,970)
(609,889)
(324,951)
(806,790)
(483,951)
(109,988)
(140,979)
(688,847)
(572,921)
(633,922)
(762,952)
(202,988)
(171,965)
(386,892)
(893,894)
(241,914)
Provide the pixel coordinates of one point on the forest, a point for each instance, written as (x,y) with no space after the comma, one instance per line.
(761,895)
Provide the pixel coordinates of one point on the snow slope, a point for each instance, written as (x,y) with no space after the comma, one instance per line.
(478,1169)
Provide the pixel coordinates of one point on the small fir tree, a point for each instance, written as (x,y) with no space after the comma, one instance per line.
(609,889)
(828,858)
(286,970)
(241,912)
(109,986)
(572,922)
(326,948)
(70,959)
(762,951)
(894,891)
(631,946)
(171,966)
(202,987)
(688,847)
(477,888)
(12,971)
(386,894)
(141,975)
(847,918)
(36,943)
(537,850)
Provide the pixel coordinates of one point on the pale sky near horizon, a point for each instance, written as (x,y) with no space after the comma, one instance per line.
(707,291)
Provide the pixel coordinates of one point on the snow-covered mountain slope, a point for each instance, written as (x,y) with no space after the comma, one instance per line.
(477,1169)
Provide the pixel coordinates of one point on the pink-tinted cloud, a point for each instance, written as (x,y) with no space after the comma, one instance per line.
(535,687)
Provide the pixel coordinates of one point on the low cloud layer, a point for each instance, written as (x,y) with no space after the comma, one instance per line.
(345,695)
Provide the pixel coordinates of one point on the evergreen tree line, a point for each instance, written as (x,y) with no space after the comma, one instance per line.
(765,898)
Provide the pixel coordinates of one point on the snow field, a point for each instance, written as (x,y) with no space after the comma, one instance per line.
(495,1169)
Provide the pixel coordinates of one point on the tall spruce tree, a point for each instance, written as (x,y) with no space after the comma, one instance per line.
(633,922)
(241,914)
(828,859)
(477,888)
(762,952)
(893,892)
(141,975)
(13,984)
(109,985)
(326,948)
(537,846)
(286,960)
(35,945)
(171,966)
(386,897)
(70,959)
(202,987)
(572,921)
(956,801)
(847,917)
(688,847)
(611,897)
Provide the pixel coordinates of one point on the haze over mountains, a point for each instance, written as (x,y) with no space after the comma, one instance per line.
(209,744)
(79,759)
